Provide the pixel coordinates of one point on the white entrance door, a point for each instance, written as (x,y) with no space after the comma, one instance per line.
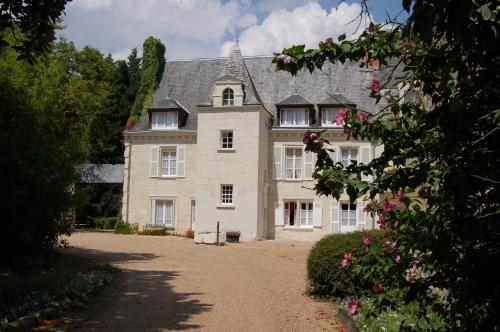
(347,218)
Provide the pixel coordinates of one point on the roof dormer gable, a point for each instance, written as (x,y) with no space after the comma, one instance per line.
(227,91)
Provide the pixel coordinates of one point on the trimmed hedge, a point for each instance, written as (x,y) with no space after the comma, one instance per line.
(105,222)
(327,278)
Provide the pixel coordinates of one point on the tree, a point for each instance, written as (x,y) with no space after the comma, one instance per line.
(153,64)
(441,153)
(31,24)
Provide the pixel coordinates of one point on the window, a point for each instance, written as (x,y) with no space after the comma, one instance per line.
(227,97)
(298,214)
(293,163)
(164,120)
(227,139)
(328,117)
(306,214)
(168,163)
(295,118)
(227,194)
(348,156)
(348,217)
(164,213)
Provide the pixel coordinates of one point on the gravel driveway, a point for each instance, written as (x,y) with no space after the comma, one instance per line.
(170,283)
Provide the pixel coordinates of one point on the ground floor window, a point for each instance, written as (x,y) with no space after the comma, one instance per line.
(348,216)
(227,194)
(298,214)
(164,213)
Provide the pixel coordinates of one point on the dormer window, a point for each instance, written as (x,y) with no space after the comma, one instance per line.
(294,118)
(328,116)
(164,120)
(228,97)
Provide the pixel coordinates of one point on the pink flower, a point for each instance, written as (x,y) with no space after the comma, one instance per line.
(347,260)
(367,239)
(362,116)
(341,115)
(370,206)
(397,258)
(378,288)
(284,59)
(389,205)
(382,222)
(376,86)
(353,306)
(309,136)
(401,194)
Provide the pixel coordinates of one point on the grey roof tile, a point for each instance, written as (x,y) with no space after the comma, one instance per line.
(294,100)
(336,99)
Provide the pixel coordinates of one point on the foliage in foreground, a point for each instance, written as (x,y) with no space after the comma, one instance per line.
(441,147)
(326,276)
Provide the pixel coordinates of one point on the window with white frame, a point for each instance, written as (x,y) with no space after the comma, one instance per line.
(164,120)
(164,213)
(226,194)
(348,156)
(168,162)
(293,163)
(348,215)
(294,118)
(298,214)
(328,117)
(227,97)
(227,139)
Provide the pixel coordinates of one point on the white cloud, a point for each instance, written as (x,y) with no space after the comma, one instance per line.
(308,24)
(114,26)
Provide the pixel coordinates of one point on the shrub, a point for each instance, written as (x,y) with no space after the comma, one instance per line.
(123,227)
(189,233)
(105,222)
(157,231)
(326,275)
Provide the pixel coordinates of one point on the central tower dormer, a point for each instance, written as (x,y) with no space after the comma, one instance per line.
(227,91)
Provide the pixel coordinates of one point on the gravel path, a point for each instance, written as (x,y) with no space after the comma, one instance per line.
(170,283)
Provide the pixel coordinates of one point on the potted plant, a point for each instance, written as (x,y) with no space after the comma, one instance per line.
(233,236)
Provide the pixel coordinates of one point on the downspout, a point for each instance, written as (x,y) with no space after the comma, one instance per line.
(128,178)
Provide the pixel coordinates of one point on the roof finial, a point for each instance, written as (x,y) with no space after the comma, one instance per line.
(237,42)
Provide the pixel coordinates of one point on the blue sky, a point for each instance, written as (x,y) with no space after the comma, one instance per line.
(207,28)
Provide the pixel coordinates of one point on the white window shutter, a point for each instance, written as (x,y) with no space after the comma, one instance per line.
(279,218)
(317,214)
(308,165)
(153,211)
(181,161)
(364,158)
(153,162)
(278,164)
(361,215)
(335,217)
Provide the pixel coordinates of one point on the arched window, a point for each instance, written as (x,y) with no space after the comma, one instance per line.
(227,97)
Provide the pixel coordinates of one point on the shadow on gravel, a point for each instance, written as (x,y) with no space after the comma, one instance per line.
(110,257)
(138,300)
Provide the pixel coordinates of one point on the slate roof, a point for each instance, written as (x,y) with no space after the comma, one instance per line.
(294,100)
(100,173)
(167,103)
(336,99)
(190,83)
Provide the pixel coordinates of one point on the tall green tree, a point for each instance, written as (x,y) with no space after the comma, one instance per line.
(153,64)
(28,26)
(441,154)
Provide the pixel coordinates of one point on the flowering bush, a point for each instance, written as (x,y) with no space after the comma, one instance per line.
(437,177)
(333,264)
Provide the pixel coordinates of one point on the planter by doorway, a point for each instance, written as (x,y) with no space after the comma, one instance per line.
(233,236)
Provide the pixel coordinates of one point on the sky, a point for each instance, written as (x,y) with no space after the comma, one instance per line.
(208,28)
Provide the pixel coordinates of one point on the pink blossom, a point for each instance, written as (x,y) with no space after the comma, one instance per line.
(341,115)
(389,205)
(329,41)
(397,258)
(382,222)
(362,116)
(284,59)
(309,136)
(370,206)
(401,194)
(378,288)
(347,260)
(367,239)
(376,86)
(353,306)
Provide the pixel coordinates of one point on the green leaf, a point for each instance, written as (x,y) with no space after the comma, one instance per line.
(342,37)
(485,11)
